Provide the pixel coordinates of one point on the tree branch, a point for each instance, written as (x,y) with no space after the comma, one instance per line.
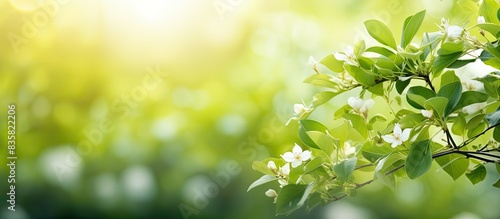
(477,136)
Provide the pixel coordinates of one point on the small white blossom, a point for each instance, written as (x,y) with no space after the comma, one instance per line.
(454,32)
(398,136)
(427,113)
(359,105)
(348,56)
(300,108)
(348,149)
(312,61)
(474,108)
(444,23)
(272,166)
(297,156)
(472,85)
(283,175)
(480,20)
(272,194)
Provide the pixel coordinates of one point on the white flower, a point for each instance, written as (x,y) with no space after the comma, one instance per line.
(454,32)
(348,56)
(398,136)
(480,20)
(348,149)
(283,175)
(272,166)
(271,193)
(444,23)
(359,105)
(312,61)
(472,85)
(297,156)
(300,108)
(474,108)
(427,113)
(285,170)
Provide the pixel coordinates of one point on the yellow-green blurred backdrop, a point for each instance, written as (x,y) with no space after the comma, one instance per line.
(152,108)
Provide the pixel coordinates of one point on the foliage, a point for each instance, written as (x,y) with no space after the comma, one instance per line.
(435,113)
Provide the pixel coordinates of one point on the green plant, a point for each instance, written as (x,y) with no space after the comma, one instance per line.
(442,117)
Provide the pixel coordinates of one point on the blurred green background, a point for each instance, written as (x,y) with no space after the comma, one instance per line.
(138,109)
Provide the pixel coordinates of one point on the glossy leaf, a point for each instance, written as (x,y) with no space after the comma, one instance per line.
(291,198)
(380,32)
(362,76)
(437,105)
(452,92)
(488,9)
(470,97)
(419,159)
(344,169)
(477,175)
(453,164)
(417,95)
(411,26)
(443,61)
(261,181)
(306,125)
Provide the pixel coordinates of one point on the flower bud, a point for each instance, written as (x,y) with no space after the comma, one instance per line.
(272,166)
(271,193)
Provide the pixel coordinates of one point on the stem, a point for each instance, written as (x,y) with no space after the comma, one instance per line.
(428,81)
(477,136)
(363,184)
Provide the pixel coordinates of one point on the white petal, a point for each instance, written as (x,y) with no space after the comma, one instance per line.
(405,135)
(349,51)
(298,108)
(369,103)
(306,155)
(297,149)
(395,144)
(389,138)
(271,165)
(427,113)
(480,20)
(340,56)
(296,163)
(397,129)
(355,102)
(285,170)
(312,61)
(271,193)
(288,157)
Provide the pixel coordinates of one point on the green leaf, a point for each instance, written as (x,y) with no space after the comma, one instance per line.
(373,152)
(344,169)
(470,97)
(494,29)
(323,141)
(497,183)
(362,76)
(438,106)
(359,48)
(453,164)
(323,97)
(322,80)
(411,120)
(401,85)
(477,175)
(377,89)
(380,32)
(291,198)
(411,26)
(358,123)
(333,64)
(306,125)
(496,133)
(488,9)
(419,159)
(494,118)
(429,43)
(417,95)
(469,6)
(448,77)
(313,201)
(313,164)
(474,121)
(261,167)
(443,61)
(476,130)
(458,126)
(261,181)
(450,48)
(382,51)
(452,92)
